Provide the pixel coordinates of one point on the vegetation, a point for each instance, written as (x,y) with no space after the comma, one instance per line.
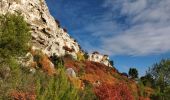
(55,87)
(56,60)
(17,82)
(133,73)
(23,84)
(147,80)
(14,36)
(14,39)
(50,81)
(111,62)
(158,77)
(118,92)
(80,56)
(86,56)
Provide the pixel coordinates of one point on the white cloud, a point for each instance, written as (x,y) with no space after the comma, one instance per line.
(126,27)
(149,31)
(135,42)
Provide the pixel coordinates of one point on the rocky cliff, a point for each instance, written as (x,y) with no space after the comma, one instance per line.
(47,35)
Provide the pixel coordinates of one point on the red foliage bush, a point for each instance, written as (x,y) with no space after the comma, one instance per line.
(95,66)
(18,95)
(111,87)
(119,91)
(46,65)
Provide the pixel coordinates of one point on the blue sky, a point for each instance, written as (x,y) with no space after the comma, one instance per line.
(135,33)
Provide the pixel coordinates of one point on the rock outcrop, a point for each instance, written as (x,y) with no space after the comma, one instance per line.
(46,32)
(70,72)
(47,35)
(97,57)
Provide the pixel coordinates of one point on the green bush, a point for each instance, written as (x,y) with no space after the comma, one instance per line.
(133,73)
(16,79)
(56,87)
(160,73)
(86,56)
(87,93)
(141,88)
(14,35)
(14,39)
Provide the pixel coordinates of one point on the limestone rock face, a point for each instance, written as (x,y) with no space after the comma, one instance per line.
(97,57)
(46,33)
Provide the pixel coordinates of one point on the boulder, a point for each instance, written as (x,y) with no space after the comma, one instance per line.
(71,73)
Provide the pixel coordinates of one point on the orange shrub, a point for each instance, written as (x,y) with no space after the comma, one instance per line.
(76,82)
(18,95)
(119,91)
(46,65)
(33,64)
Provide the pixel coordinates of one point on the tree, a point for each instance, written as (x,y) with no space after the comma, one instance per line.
(133,73)
(14,39)
(147,80)
(161,75)
(14,36)
(86,55)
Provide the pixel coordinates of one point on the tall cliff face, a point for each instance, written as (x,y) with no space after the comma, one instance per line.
(46,33)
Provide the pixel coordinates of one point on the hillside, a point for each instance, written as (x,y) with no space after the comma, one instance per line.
(54,67)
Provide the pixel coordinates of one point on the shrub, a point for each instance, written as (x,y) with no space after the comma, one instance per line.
(81,71)
(57,22)
(43,62)
(80,56)
(68,56)
(47,65)
(95,52)
(55,87)
(65,30)
(120,91)
(111,62)
(87,93)
(14,36)
(18,80)
(133,73)
(141,89)
(68,49)
(56,60)
(86,56)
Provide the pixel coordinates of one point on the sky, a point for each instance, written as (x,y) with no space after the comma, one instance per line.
(135,33)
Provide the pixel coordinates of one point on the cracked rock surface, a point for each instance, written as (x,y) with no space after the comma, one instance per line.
(46,33)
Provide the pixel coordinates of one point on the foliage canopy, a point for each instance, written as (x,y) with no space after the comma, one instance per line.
(14,35)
